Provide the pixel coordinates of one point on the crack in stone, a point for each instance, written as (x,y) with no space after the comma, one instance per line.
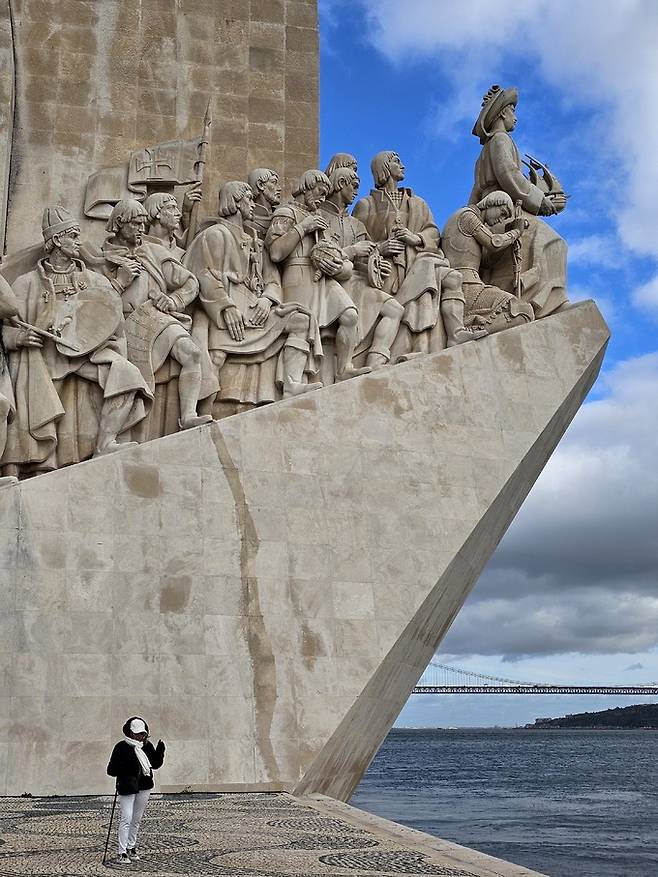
(258,639)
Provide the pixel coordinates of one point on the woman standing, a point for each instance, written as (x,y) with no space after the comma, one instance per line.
(132,762)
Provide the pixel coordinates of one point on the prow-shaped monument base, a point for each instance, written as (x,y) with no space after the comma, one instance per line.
(269,588)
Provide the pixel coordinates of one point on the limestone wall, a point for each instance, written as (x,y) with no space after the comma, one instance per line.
(267,590)
(97,78)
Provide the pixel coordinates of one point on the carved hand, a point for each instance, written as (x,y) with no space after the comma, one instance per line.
(193,195)
(261,312)
(128,272)
(363,249)
(409,237)
(330,267)
(164,303)
(28,338)
(391,247)
(312,223)
(234,323)
(547,208)
(385,268)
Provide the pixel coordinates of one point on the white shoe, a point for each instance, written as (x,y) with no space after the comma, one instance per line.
(134,855)
(122,859)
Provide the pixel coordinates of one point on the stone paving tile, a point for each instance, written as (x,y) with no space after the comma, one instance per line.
(235,835)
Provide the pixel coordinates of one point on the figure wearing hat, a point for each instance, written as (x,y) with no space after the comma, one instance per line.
(543,263)
(499,164)
(75,390)
(132,762)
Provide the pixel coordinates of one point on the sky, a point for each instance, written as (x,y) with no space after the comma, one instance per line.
(571,594)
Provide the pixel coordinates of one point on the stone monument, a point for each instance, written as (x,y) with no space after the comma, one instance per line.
(255,450)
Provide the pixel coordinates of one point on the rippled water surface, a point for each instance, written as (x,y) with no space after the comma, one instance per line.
(566,803)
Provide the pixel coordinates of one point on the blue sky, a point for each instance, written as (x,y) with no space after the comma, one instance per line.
(572,592)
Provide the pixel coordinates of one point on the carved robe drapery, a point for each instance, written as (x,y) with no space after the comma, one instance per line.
(544,252)
(418,272)
(323,296)
(348,231)
(8,308)
(229,264)
(151,333)
(58,398)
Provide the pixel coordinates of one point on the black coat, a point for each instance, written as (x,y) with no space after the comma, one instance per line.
(124,765)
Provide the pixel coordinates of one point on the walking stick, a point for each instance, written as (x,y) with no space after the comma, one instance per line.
(107,842)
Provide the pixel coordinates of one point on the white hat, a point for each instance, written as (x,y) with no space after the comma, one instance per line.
(137,726)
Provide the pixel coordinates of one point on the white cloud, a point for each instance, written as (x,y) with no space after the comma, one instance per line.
(578,569)
(598,250)
(645,297)
(602,55)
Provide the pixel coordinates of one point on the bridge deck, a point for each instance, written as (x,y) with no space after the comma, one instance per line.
(536,689)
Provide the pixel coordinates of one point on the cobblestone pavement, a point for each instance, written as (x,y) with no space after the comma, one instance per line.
(244,835)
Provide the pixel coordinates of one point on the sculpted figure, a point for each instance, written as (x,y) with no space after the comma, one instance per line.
(266,188)
(421,279)
(379,312)
(255,343)
(68,360)
(8,308)
(544,253)
(312,267)
(341,160)
(164,222)
(485,230)
(155,289)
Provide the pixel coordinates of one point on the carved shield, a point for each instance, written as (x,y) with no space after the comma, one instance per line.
(88,318)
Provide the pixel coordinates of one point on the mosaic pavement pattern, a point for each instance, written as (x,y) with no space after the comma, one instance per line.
(244,835)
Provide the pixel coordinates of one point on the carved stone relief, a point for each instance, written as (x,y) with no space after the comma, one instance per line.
(174,321)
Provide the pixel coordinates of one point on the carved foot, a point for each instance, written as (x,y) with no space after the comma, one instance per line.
(461,336)
(293,388)
(376,360)
(113,447)
(407,357)
(352,372)
(6,480)
(194,420)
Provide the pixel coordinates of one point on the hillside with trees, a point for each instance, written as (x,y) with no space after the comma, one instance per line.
(638,716)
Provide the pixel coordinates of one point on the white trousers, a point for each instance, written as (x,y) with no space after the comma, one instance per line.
(132,810)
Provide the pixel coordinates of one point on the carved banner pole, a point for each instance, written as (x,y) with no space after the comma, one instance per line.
(200,166)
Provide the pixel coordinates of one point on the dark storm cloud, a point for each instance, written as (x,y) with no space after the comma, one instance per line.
(578,569)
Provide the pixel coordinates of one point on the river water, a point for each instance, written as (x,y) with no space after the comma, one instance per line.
(566,803)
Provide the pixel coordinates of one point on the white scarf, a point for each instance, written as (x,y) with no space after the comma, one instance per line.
(144,763)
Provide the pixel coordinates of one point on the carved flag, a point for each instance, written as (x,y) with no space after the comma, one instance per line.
(152,168)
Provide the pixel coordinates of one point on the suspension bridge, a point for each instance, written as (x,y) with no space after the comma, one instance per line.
(446,679)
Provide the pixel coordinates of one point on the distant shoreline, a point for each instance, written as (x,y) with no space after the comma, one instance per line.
(639,717)
(529,728)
